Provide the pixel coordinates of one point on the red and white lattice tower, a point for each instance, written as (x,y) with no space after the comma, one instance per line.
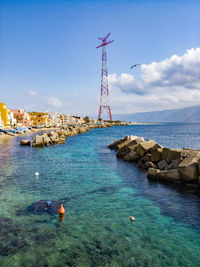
(104,100)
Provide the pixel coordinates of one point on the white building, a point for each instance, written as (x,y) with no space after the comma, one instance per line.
(67,119)
(54,119)
(11,118)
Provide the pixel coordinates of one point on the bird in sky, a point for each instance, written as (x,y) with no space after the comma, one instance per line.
(134,66)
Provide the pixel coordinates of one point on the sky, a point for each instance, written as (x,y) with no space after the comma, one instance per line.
(49,61)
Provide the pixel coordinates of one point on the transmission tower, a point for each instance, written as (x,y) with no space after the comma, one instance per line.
(104,100)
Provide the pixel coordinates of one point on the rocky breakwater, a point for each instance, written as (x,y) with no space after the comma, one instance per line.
(166,164)
(54,137)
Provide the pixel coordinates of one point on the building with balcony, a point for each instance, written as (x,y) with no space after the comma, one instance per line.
(22,117)
(39,118)
(54,119)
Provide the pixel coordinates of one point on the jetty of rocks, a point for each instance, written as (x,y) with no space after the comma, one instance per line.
(54,137)
(59,136)
(166,164)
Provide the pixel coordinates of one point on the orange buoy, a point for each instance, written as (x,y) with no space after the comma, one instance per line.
(61,210)
(132,218)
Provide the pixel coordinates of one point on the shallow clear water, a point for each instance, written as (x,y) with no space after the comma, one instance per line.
(99,193)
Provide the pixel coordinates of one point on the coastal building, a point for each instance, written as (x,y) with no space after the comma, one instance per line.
(39,118)
(68,120)
(54,119)
(4,115)
(79,120)
(22,117)
(11,118)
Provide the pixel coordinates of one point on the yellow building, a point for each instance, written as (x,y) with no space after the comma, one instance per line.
(4,114)
(38,118)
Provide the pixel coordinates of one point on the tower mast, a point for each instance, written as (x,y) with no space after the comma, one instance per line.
(104,99)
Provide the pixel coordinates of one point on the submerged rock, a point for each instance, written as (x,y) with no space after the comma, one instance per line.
(11,239)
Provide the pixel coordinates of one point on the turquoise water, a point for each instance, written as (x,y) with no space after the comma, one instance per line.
(99,193)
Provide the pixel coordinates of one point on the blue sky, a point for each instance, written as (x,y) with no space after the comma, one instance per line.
(49,61)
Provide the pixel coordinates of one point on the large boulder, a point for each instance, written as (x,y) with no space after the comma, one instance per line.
(25,142)
(170,154)
(131,156)
(46,140)
(189,169)
(37,144)
(156,154)
(153,173)
(147,157)
(53,135)
(127,140)
(145,147)
(174,164)
(38,139)
(162,164)
(138,140)
(117,142)
(169,175)
(132,147)
(123,144)
(150,164)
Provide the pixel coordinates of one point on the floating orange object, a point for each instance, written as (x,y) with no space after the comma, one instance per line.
(132,218)
(61,210)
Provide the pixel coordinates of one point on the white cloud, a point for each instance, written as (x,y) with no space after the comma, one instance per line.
(169,84)
(175,71)
(125,83)
(54,102)
(32,93)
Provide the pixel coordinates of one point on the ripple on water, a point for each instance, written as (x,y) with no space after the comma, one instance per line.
(99,194)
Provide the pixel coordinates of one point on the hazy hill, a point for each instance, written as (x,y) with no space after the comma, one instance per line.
(175,115)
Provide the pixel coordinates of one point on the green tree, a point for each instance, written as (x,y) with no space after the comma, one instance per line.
(87,119)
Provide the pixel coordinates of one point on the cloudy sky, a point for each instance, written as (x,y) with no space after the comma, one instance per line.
(49,61)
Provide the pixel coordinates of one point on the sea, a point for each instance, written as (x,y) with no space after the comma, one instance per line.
(99,194)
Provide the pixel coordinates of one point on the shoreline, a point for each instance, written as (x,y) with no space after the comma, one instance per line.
(4,138)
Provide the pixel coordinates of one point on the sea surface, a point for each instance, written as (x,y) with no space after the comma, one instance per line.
(99,193)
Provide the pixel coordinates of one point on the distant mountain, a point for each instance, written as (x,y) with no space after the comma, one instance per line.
(188,114)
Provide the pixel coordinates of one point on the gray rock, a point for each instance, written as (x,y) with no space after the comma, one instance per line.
(38,139)
(189,169)
(150,164)
(123,144)
(157,146)
(170,154)
(162,164)
(145,147)
(153,173)
(147,157)
(131,156)
(169,175)
(37,144)
(138,140)
(25,142)
(132,147)
(156,154)
(176,162)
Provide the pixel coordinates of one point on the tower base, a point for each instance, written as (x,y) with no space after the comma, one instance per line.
(108,110)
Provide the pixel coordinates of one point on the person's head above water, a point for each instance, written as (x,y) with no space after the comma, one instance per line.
(48,203)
